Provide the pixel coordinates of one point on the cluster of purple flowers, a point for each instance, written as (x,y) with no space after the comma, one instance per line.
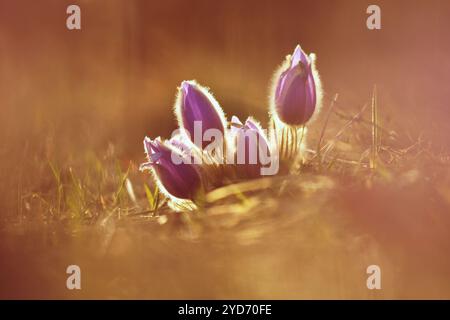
(294,99)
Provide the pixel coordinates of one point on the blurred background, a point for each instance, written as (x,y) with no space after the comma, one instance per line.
(63,92)
(115,80)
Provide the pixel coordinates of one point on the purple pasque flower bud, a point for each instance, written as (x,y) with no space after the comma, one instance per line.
(197,111)
(180,180)
(251,145)
(296,89)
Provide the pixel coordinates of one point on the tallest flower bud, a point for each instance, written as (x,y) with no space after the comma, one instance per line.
(195,106)
(296,89)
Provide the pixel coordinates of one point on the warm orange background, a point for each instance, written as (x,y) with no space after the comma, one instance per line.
(116,78)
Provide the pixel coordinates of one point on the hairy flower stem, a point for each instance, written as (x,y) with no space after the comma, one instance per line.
(297,155)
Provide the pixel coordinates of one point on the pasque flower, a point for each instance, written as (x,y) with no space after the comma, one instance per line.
(295,97)
(251,145)
(195,104)
(179,180)
(296,89)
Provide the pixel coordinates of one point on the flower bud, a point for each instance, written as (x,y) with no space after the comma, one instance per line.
(252,148)
(296,89)
(195,106)
(179,180)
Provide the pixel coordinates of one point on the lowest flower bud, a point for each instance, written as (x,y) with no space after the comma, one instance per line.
(179,180)
(197,112)
(296,89)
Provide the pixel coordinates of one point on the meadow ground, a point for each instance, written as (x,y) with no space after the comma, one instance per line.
(311,234)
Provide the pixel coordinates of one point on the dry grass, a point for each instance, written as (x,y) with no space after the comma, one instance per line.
(365,195)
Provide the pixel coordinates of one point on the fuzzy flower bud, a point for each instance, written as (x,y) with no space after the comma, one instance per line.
(179,180)
(252,148)
(296,88)
(197,109)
